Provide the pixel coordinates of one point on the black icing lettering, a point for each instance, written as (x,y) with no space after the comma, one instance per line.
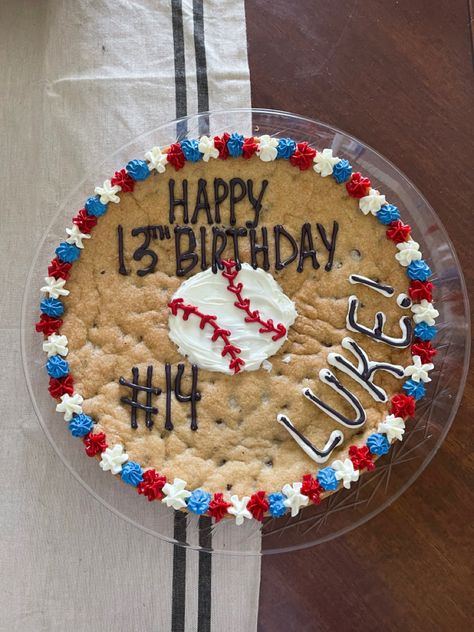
(202,202)
(194,396)
(121,257)
(329,244)
(365,370)
(133,402)
(235,233)
(174,202)
(307,248)
(217,249)
(318,455)
(144,250)
(168,422)
(185,255)
(255,249)
(221,192)
(328,377)
(255,202)
(157,231)
(386,290)
(236,184)
(164,232)
(200,249)
(203,233)
(377,333)
(279,232)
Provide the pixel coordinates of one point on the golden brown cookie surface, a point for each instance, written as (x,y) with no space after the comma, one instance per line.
(115,321)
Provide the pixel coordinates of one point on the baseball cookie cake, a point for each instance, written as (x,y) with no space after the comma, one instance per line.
(237,326)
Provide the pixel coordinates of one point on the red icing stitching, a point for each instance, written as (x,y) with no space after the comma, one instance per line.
(208,319)
(267,326)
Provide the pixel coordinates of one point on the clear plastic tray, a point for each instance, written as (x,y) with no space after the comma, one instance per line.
(394,473)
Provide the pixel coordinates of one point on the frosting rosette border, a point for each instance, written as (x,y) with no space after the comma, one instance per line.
(293,495)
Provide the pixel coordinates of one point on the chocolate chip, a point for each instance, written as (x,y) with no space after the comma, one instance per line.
(219,421)
(102,271)
(228,487)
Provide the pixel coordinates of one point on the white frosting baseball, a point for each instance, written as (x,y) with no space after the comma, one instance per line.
(208,292)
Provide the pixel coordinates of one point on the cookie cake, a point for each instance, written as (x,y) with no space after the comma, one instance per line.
(237,326)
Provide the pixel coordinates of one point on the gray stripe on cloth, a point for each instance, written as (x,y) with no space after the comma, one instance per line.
(178,597)
(179,66)
(205,575)
(201,64)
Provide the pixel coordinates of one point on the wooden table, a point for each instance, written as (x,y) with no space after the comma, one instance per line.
(397,75)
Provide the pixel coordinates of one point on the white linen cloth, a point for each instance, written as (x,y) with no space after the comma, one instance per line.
(78,80)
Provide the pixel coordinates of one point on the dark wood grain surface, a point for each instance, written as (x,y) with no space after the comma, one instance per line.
(397,75)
